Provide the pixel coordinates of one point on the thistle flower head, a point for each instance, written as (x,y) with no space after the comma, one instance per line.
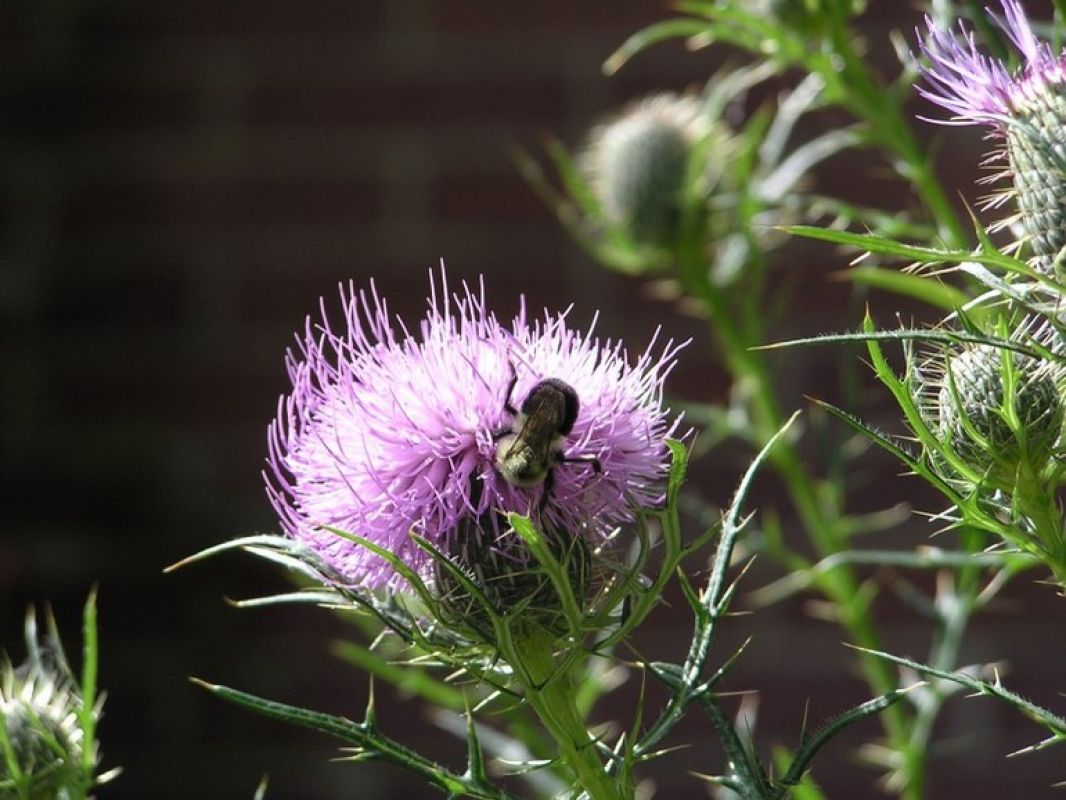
(996,407)
(389,430)
(39,705)
(978,88)
(636,164)
(1027,108)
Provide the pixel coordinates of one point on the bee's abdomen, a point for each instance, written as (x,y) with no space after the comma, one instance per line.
(520,465)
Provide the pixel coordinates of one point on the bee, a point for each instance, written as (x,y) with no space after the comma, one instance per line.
(528,451)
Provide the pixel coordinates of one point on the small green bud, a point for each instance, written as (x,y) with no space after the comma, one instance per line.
(974,417)
(637,165)
(43,749)
(39,704)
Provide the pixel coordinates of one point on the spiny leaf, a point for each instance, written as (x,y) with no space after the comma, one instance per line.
(806,753)
(365,740)
(1040,715)
(407,678)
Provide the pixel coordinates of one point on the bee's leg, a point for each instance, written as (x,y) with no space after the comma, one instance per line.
(597,467)
(546,489)
(507,406)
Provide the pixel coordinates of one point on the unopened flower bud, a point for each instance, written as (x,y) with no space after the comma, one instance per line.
(974,412)
(637,164)
(39,703)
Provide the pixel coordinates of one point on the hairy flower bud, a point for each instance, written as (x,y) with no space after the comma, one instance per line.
(39,703)
(637,164)
(975,411)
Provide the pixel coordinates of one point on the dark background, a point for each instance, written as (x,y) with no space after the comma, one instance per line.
(182,182)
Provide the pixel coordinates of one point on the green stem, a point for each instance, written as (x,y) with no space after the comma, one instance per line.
(552,696)
(1040,508)
(955,608)
(822,524)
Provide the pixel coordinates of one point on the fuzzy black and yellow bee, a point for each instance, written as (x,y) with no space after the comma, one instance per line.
(528,451)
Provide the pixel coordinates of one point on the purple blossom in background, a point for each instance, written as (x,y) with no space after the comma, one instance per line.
(979,89)
(1027,110)
(389,430)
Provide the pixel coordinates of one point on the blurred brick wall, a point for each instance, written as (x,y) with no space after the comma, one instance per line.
(182,182)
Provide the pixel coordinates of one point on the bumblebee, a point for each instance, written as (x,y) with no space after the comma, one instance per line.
(527,452)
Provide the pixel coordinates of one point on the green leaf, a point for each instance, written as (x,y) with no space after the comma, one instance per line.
(1040,715)
(475,759)
(572,179)
(398,564)
(678,470)
(885,223)
(87,705)
(712,603)
(928,290)
(680,28)
(806,753)
(550,564)
(367,742)
(941,336)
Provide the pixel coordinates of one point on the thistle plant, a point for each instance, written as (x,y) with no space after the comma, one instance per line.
(517,581)
(503,502)
(986,404)
(982,391)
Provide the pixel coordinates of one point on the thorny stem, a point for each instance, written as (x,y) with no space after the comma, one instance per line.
(821,523)
(955,605)
(1042,511)
(551,694)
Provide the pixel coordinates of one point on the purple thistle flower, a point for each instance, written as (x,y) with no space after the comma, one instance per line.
(1027,108)
(978,88)
(389,431)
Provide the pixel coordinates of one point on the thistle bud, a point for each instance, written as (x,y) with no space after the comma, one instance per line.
(637,165)
(975,411)
(39,702)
